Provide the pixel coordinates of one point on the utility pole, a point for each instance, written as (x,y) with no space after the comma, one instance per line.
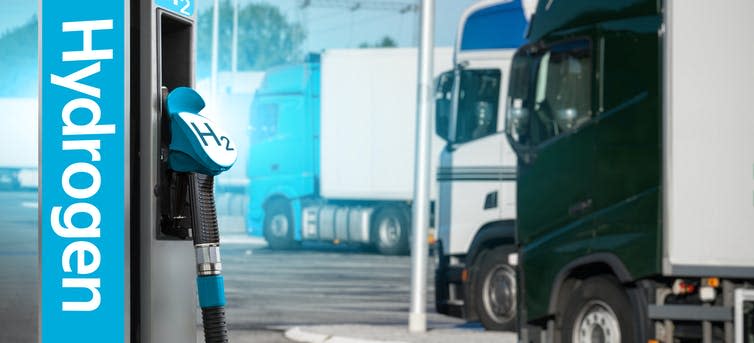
(234,40)
(356,5)
(215,38)
(420,215)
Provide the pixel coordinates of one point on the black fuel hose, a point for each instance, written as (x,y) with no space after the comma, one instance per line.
(206,235)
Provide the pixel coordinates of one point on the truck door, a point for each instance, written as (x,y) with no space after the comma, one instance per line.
(556,172)
(628,154)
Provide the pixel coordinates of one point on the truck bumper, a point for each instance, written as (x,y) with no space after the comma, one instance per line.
(451,286)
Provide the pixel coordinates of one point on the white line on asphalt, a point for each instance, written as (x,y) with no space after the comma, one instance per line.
(254,242)
(298,335)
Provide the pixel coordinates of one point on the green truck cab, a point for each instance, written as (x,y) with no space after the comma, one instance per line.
(601,111)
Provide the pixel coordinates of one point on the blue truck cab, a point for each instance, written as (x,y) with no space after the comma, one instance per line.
(284,151)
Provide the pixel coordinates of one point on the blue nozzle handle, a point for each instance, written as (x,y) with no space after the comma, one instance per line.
(198,144)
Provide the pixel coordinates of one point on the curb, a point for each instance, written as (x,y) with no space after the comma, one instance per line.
(254,242)
(299,335)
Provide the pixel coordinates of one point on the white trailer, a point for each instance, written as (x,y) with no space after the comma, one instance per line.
(368,122)
(709,139)
(367,138)
(18,137)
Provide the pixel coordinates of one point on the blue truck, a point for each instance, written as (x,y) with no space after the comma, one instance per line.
(331,151)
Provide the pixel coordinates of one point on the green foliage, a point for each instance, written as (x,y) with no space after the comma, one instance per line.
(18,53)
(385,42)
(265,38)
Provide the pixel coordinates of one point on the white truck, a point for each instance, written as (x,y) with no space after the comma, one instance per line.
(332,149)
(18,157)
(477,171)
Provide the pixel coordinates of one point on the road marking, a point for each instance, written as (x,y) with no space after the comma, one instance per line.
(29,204)
(252,242)
(299,335)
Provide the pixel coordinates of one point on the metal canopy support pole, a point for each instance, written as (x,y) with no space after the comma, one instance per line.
(420,217)
(234,44)
(215,47)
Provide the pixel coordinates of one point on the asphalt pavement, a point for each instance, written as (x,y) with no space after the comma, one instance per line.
(318,293)
(19,287)
(321,293)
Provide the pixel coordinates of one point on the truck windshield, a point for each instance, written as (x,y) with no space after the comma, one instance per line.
(478,104)
(559,99)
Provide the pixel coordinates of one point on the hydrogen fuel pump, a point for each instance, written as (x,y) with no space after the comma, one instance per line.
(179,152)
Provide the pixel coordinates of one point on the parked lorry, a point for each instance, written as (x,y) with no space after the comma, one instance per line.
(332,149)
(18,158)
(634,133)
(477,172)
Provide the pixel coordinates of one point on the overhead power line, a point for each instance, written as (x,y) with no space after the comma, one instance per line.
(356,5)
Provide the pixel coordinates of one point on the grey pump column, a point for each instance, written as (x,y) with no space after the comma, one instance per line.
(164,302)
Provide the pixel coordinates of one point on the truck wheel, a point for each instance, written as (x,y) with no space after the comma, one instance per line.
(391,231)
(494,289)
(599,310)
(278,225)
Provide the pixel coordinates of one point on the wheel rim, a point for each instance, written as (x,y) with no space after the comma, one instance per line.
(279,226)
(596,323)
(499,293)
(389,232)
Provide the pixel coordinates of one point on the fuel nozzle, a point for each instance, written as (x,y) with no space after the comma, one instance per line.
(199,149)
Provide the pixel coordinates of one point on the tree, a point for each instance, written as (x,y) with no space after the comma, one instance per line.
(18,53)
(265,38)
(385,42)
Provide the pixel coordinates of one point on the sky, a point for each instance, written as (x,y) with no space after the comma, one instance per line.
(327,27)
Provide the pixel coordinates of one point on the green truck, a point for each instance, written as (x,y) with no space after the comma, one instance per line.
(633,125)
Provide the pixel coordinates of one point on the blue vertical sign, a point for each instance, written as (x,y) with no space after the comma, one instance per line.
(82,191)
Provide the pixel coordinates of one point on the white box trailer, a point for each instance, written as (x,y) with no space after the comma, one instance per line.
(709,139)
(18,138)
(366,131)
(368,123)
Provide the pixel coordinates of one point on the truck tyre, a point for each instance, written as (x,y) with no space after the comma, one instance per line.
(598,310)
(390,231)
(494,290)
(278,225)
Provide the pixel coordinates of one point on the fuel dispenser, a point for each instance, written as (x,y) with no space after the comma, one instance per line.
(128,229)
(185,150)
